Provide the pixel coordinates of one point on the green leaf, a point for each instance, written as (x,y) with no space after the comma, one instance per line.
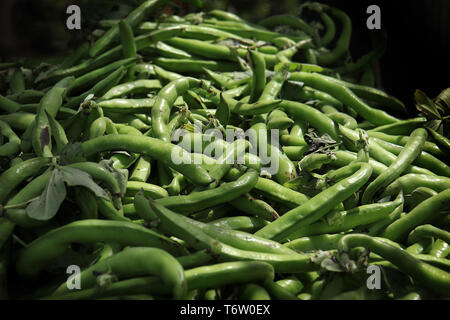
(78,178)
(191,97)
(73,153)
(304,183)
(443,100)
(47,205)
(330,265)
(422,98)
(121,175)
(435,125)
(324,259)
(425,105)
(46,73)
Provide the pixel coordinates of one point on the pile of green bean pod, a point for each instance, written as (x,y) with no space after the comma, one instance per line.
(96,177)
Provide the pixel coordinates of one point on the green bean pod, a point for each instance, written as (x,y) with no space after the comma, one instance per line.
(428,231)
(348,220)
(425,212)
(19,120)
(167,153)
(197,201)
(258,83)
(35,257)
(87,203)
(142,169)
(316,118)
(135,261)
(435,279)
(410,182)
(345,95)
(150,190)
(377,152)
(32,190)
(245,224)
(138,86)
(241,240)
(133,19)
(316,207)
(285,263)
(98,172)
(424,159)
(128,45)
(253,291)
(255,207)
(343,42)
(405,158)
(276,192)
(7,105)
(324,242)
(214,276)
(12,147)
(403,140)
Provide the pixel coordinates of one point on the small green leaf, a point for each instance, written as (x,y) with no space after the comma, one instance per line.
(431,113)
(49,69)
(443,99)
(242,63)
(47,205)
(78,178)
(121,175)
(324,259)
(304,183)
(434,125)
(192,99)
(426,105)
(330,265)
(73,153)
(422,98)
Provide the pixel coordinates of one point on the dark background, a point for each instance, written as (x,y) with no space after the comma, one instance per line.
(417,55)
(418,50)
